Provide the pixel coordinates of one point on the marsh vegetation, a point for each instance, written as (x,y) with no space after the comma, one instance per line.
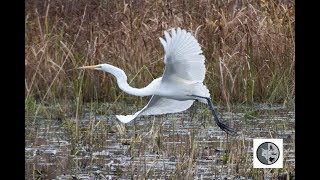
(70,125)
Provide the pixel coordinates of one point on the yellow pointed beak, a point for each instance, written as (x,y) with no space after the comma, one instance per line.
(90,67)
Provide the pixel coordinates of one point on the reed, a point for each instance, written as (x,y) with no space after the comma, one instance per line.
(248,45)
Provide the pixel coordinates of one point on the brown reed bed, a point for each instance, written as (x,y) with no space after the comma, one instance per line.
(248,45)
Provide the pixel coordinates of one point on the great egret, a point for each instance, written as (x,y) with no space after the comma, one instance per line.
(180,85)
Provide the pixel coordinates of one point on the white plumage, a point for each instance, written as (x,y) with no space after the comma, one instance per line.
(183,63)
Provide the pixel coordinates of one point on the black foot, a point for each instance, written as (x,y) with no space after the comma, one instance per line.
(225,128)
(222,126)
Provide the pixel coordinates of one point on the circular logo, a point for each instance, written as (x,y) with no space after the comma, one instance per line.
(268,153)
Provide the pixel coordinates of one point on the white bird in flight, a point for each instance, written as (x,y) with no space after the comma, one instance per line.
(180,85)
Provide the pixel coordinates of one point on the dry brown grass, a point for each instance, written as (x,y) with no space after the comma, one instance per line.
(248,45)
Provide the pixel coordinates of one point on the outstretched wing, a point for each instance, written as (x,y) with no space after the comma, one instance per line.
(158,105)
(183,59)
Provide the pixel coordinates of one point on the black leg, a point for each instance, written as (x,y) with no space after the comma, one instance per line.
(223,126)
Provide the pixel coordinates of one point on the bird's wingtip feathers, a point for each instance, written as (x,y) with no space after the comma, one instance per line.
(163,42)
(125,119)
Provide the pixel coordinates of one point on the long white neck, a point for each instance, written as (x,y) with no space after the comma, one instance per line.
(124,86)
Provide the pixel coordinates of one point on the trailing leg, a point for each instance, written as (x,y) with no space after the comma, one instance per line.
(223,126)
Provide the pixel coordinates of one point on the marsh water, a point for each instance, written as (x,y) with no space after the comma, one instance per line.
(185,145)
